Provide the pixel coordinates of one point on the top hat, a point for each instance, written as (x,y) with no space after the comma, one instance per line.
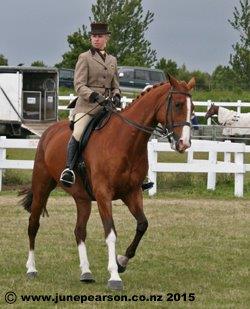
(99,28)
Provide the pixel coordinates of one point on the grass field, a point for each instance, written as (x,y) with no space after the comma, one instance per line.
(192,246)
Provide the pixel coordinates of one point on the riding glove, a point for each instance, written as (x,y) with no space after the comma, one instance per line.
(117,100)
(95,97)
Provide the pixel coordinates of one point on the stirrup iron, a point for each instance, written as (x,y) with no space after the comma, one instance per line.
(70,174)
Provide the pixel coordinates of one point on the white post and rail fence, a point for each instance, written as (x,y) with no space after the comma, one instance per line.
(211,166)
(126,101)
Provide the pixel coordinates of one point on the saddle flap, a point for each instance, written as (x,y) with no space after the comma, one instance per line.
(96,123)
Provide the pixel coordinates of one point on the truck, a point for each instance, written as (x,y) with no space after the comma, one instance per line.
(28,100)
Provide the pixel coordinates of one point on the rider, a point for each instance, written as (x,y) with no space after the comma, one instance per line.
(95,78)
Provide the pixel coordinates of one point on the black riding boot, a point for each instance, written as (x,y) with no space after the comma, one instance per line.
(147,185)
(68,176)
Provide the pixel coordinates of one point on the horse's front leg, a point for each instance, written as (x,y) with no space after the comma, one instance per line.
(134,201)
(83,213)
(105,210)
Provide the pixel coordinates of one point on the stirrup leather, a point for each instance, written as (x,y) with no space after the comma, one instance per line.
(70,173)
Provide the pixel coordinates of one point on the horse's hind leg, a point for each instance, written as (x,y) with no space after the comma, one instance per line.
(134,202)
(41,189)
(83,212)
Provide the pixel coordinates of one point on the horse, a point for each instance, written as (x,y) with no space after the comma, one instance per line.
(213,110)
(116,165)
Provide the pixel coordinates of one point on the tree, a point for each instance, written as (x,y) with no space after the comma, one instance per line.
(240,60)
(127,24)
(223,77)
(168,66)
(3,60)
(202,79)
(183,73)
(38,63)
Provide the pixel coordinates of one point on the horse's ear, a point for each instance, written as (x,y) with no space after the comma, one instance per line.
(173,81)
(191,83)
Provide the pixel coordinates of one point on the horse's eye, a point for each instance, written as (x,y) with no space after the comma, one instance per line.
(178,105)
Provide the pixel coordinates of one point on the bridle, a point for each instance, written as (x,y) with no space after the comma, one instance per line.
(169,123)
(164,131)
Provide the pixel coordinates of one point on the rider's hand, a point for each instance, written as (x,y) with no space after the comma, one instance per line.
(96,97)
(100,100)
(117,100)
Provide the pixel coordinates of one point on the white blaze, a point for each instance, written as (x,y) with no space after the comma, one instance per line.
(186,131)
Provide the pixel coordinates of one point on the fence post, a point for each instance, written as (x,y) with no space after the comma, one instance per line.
(124,101)
(152,161)
(239,106)
(239,177)
(209,103)
(227,157)
(2,157)
(71,98)
(190,156)
(211,176)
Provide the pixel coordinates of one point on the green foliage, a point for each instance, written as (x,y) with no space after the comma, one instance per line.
(240,60)
(168,66)
(3,60)
(223,77)
(38,63)
(202,79)
(127,24)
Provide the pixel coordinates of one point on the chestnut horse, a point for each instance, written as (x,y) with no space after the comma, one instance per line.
(116,162)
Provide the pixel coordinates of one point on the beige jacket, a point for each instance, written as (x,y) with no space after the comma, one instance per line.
(94,74)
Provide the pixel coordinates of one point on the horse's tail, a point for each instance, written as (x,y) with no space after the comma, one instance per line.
(26,201)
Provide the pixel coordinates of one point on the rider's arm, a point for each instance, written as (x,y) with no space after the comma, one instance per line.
(81,77)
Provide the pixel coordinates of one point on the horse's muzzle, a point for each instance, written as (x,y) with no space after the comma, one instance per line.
(181,146)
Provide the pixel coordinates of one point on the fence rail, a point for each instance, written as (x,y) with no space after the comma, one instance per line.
(211,166)
(125,101)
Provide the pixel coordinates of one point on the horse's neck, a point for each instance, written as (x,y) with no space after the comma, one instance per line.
(144,107)
(143,112)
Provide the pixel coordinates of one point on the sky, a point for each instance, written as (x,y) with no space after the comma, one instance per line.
(191,32)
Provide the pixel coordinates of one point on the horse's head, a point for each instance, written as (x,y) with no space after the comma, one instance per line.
(213,110)
(175,115)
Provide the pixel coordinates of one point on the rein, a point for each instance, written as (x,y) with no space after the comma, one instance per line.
(167,129)
(136,125)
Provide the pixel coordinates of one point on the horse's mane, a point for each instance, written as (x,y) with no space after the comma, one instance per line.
(142,94)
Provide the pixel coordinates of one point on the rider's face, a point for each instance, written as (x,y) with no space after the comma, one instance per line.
(99,41)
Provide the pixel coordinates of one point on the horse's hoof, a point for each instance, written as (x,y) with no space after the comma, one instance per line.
(115,285)
(87,278)
(32,275)
(121,268)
